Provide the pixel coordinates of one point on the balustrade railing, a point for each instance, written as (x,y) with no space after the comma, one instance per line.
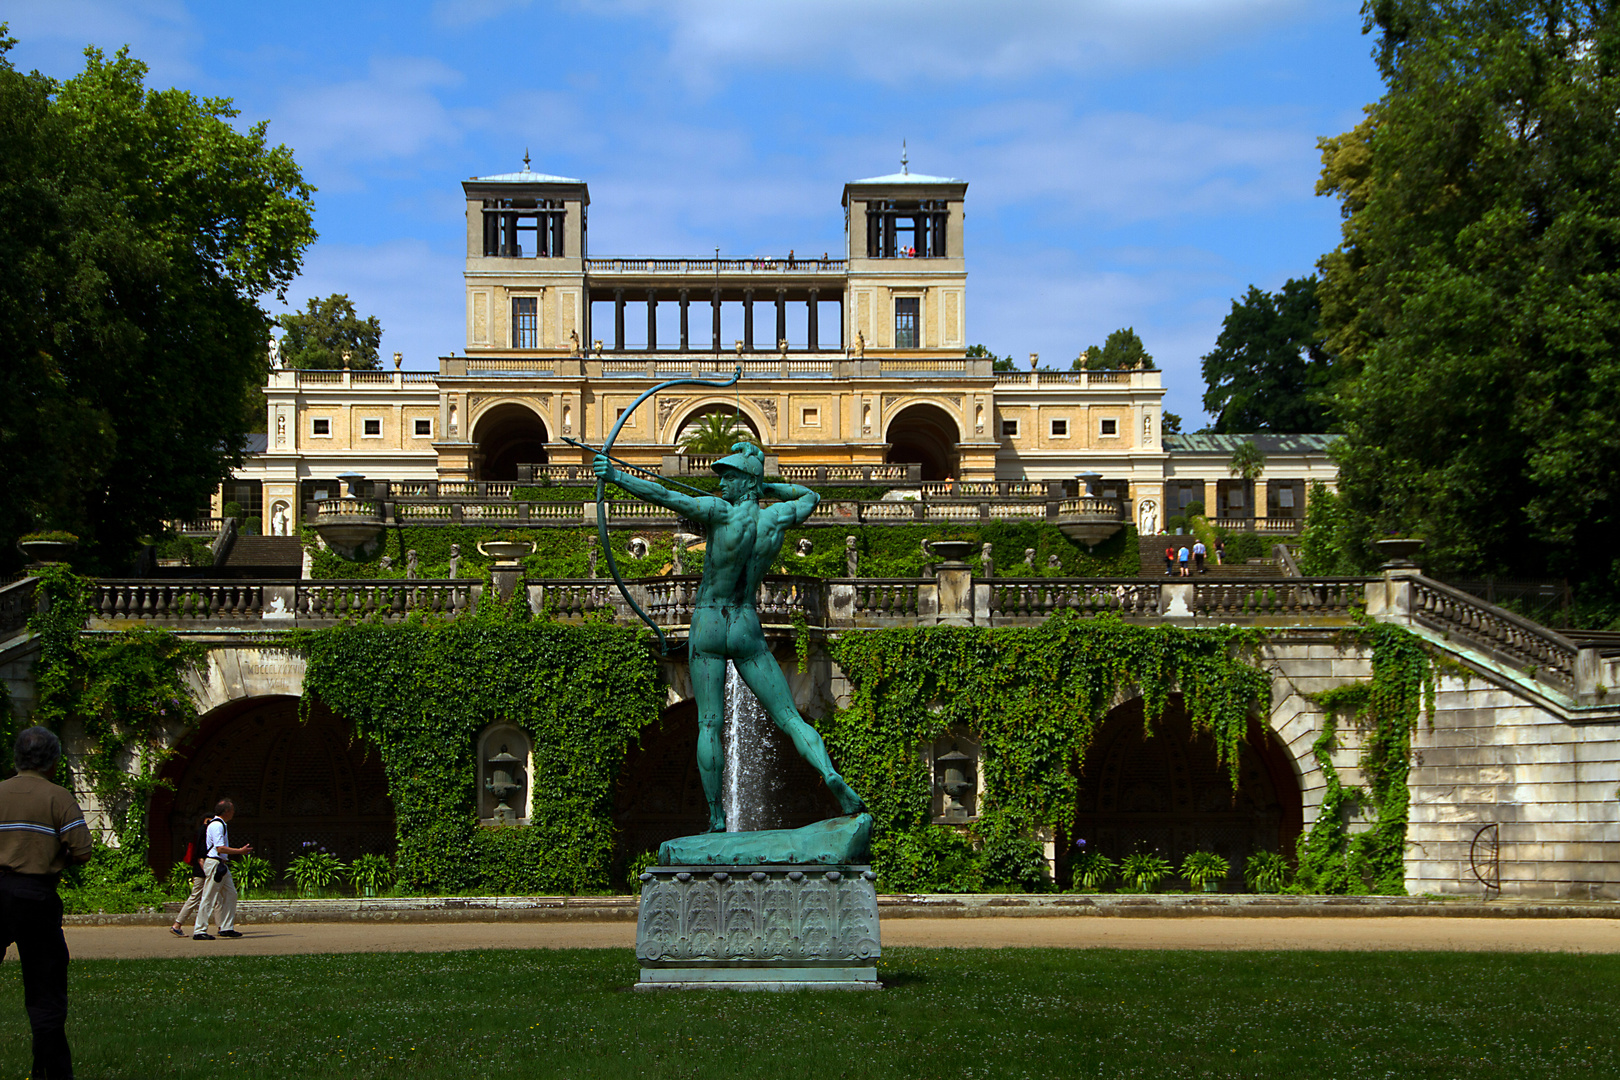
(1281,596)
(841,474)
(180,600)
(1546,653)
(1092,506)
(1036,598)
(206,526)
(712,266)
(16,605)
(388,598)
(1271,526)
(574,598)
(886,598)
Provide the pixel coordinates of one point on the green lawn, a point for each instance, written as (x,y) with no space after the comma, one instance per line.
(946,1013)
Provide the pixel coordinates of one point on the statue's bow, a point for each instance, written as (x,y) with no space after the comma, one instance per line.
(601,494)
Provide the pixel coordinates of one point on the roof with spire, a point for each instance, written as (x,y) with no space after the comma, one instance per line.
(527,176)
(906,176)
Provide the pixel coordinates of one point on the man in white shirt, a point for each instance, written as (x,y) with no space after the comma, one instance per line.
(218,888)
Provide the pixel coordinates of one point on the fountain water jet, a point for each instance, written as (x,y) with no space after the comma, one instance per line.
(749,739)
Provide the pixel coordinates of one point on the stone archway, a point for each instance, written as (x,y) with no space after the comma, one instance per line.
(1167,793)
(509,435)
(293,782)
(925,435)
(690,422)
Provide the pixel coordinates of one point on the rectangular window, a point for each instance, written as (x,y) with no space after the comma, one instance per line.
(1110,428)
(1060,429)
(424,429)
(372,429)
(810,417)
(905,321)
(525,322)
(1234,498)
(1009,429)
(1285,498)
(320,427)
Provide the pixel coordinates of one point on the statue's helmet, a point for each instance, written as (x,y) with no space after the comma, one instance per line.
(746,458)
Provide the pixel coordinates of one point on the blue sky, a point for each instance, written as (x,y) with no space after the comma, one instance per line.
(1131,162)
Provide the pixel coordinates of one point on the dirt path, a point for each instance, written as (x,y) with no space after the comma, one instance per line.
(1213,932)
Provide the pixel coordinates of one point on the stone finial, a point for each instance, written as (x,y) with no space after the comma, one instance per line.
(347,356)
(399,358)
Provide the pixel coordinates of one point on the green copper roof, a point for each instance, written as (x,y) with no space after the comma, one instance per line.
(525,177)
(1269,443)
(909,178)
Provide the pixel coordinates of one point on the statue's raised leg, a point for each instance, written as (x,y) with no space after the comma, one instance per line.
(770,686)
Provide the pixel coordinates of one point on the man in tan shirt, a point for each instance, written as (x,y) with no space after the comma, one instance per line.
(42,829)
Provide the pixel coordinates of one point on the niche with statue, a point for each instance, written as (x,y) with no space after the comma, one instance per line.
(503,775)
(954,759)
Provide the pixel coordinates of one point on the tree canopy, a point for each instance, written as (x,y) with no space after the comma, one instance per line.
(998,363)
(318,336)
(1268,370)
(1474,304)
(715,433)
(1122,351)
(138,228)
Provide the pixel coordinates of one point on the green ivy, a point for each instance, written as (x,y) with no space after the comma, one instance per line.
(1033,697)
(1386,709)
(421,692)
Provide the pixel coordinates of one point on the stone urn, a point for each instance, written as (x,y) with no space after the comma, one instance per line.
(48,549)
(954,552)
(1398,551)
(506,553)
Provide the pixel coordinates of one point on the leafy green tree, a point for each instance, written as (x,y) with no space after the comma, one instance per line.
(1268,370)
(1121,351)
(138,229)
(1172,423)
(715,433)
(998,363)
(318,336)
(1474,303)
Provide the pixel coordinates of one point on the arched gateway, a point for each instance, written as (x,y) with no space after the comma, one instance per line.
(1166,792)
(293,783)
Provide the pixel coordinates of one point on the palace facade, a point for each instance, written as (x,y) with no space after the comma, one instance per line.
(853,368)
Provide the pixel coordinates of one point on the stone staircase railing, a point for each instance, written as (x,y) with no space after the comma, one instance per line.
(1516,641)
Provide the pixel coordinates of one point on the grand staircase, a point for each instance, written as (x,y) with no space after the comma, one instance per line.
(262,556)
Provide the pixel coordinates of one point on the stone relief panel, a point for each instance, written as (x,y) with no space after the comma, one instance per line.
(811,913)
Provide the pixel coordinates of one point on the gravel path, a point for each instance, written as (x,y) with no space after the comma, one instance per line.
(1209,932)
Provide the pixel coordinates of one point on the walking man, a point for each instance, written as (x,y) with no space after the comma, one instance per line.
(42,829)
(1181,559)
(1199,551)
(218,888)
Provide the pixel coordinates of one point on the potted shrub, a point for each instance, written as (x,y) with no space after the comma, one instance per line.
(1204,870)
(315,870)
(370,874)
(1093,870)
(47,546)
(1266,872)
(1144,870)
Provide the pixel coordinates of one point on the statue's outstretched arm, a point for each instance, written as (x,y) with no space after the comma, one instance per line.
(688,506)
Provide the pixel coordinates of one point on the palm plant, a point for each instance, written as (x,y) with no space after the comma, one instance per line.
(314,870)
(1266,872)
(715,433)
(370,874)
(1093,870)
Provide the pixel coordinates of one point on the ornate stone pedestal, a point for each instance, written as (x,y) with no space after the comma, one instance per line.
(774,927)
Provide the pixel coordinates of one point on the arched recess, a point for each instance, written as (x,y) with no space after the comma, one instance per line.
(1167,793)
(677,432)
(293,782)
(509,435)
(925,435)
(659,795)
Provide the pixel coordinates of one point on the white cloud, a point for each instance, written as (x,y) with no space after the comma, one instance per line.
(393,115)
(52,35)
(899,41)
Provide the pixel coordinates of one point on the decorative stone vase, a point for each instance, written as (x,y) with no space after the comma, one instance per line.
(1398,551)
(47,551)
(954,552)
(506,551)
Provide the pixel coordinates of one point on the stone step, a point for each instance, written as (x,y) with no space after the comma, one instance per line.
(257,551)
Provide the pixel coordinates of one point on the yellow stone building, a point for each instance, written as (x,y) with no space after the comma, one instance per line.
(854,366)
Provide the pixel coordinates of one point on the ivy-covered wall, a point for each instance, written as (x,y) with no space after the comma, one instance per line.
(1033,697)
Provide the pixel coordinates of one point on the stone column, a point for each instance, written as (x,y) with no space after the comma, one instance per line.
(618,320)
(781,315)
(652,321)
(748,320)
(1211,499)
(716,302)
(1261,508)
(685,344)
(814,321)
